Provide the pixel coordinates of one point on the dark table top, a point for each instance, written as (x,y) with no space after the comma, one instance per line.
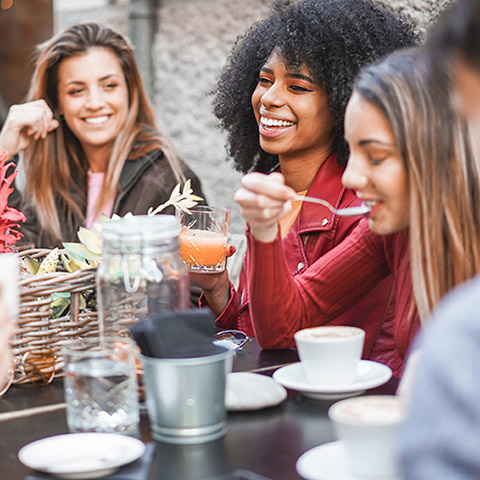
(267,442)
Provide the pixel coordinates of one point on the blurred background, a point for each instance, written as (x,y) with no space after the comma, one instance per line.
(181,46)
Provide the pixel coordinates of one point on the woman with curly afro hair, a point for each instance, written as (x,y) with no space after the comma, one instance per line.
(281,99)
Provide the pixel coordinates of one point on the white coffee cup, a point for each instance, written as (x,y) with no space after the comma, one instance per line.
(369,429)
(330,354)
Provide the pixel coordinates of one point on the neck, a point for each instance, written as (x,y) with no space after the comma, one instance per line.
(98,158)
(299,172)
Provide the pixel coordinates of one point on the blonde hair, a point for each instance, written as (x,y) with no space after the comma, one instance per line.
(443,177)
(56,167)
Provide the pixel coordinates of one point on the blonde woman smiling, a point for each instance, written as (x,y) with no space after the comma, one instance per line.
(89,137)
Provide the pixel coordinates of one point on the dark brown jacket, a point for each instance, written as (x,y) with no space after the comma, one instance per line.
(145,182)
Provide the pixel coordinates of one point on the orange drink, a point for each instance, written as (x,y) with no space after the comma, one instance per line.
(203,239)
(202,248)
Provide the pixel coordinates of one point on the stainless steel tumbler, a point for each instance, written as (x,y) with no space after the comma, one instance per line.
(186,397)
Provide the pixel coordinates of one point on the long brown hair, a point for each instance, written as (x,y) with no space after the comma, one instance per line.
(56,167)
(443,176)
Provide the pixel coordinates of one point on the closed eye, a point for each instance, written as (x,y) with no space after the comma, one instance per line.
(299,88)
(376,161)
(264,81)
(75,92)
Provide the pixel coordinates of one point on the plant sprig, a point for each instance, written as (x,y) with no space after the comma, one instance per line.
(181,200)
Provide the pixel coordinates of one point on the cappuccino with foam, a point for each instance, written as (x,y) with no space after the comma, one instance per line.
(330,355)
(369,428)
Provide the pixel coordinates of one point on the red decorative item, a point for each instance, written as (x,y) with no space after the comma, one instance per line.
(10,218)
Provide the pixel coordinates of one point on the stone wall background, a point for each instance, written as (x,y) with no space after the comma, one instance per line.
(189,50)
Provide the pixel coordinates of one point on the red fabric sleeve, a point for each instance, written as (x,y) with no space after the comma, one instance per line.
(281,304)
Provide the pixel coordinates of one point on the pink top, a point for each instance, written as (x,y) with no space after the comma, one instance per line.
(95,184)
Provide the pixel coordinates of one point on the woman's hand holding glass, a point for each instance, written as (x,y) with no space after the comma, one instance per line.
(24,123)
(264,199)
(215,286)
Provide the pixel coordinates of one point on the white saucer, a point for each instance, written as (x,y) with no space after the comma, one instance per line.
(370,375)
(327,462)
(81,455)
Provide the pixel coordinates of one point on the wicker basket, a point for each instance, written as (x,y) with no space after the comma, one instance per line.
(36,330)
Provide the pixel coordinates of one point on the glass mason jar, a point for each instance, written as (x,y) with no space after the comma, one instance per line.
(141,272)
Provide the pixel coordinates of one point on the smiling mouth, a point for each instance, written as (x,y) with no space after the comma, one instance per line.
(274,123)
(96,120)
(373,205)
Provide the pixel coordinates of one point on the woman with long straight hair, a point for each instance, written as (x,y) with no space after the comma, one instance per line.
(88,137)
(411,164)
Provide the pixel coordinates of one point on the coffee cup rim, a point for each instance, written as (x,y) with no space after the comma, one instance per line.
(301,334)
(334,416)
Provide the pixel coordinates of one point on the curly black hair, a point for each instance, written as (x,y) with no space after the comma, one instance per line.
(332,38)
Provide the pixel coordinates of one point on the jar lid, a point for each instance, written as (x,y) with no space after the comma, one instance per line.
(141,229)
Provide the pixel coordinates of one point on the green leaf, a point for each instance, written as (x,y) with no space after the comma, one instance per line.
(49,263)
(91,240)
(59,306)
(83,303)
(56,295)
(32,264)
(81,253)
(72,265)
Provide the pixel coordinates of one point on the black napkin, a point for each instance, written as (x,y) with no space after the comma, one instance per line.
(183,334)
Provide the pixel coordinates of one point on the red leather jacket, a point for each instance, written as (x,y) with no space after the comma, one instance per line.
(315,232)
(331,285)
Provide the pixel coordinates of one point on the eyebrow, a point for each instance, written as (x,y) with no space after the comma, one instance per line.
(105,77)
(291,75)
(369,141)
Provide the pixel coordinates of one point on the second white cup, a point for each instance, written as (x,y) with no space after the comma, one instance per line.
(330,354)
(369,428)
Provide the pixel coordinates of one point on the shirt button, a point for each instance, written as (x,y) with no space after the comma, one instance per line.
(324,222)
(300,266)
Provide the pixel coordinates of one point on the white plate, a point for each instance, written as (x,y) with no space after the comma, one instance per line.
(81,455)
(327,462)
(370,375)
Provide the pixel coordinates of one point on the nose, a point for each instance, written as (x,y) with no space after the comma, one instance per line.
(272,97)
(95,99)
(355,175)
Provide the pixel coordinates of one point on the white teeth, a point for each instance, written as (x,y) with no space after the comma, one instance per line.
(97,119)
(370,204)
(270,122)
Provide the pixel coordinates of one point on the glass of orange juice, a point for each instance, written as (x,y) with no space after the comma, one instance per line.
(203,239)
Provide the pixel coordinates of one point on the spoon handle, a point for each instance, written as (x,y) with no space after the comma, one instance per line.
(346,212)
(320,201)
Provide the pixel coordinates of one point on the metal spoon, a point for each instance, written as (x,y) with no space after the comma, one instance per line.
(346,212)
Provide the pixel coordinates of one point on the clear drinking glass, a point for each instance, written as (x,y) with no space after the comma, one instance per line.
(203,239)
(141,271)
(100,383)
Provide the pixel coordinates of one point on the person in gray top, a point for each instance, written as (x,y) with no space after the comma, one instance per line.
(441,436)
